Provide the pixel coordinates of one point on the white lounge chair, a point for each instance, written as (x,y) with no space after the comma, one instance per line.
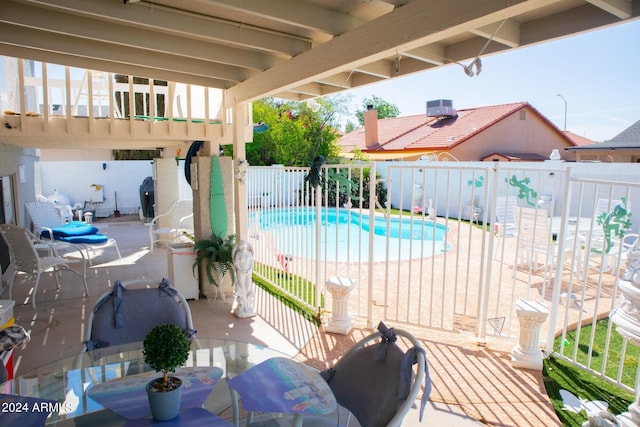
(49,224)
(505,223)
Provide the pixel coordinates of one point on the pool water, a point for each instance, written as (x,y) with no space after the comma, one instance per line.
(345,234)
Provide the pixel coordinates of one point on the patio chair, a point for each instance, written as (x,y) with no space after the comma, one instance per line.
(25,257)
(49,224)
(535,246)
(505,222)
(374,381)
(127,312)
(171,225)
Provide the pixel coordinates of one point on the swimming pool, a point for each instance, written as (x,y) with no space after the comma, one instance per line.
(345,234)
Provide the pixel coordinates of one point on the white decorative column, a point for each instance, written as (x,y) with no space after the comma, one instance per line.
(340,322)
(626,317)
(527,353)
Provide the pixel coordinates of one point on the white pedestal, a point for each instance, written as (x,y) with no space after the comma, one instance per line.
(340,322)
(180,258)
(631,418)
(527,353)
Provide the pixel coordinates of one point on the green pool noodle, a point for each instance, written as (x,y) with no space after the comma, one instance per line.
(217,205)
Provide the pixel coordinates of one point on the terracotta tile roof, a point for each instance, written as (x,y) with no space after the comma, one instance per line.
(388,129)
(421,133)
(577,139)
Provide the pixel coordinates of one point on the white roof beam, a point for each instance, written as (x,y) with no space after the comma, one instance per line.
(422,22)
(381,68)
(95,29)
(296,13)
(432,54)
(619,8)
(311,89)
(340,80)
(190,25)
(505,32)
(21,36)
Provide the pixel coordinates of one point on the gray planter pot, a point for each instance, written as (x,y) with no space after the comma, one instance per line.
(165,405)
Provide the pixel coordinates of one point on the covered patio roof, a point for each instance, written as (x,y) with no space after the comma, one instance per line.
(290,49)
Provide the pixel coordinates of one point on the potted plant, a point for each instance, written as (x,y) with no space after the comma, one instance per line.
(165,348)
(216,254)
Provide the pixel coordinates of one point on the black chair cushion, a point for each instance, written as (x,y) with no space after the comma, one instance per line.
(366,386)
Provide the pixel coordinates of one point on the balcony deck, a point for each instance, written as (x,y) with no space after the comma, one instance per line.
(472,384)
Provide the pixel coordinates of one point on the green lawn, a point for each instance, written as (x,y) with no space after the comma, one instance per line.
(559,374)
(301,288)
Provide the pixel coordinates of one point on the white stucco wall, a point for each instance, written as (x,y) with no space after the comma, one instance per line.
(17,166)
(123,177)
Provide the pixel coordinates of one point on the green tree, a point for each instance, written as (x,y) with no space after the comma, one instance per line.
(296,133)
(136,154)
(384,108)
(350,126)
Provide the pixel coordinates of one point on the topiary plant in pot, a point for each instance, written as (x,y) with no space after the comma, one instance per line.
(216,254)
(165,348)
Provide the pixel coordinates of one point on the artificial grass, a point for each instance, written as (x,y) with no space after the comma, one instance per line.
(305,293)
(559,374)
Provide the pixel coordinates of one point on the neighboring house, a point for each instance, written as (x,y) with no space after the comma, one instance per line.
(509,132)
(624,147)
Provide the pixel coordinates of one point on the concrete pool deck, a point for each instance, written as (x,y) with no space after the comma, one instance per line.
(473,383)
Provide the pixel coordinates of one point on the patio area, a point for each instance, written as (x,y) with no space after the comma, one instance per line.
(473,384)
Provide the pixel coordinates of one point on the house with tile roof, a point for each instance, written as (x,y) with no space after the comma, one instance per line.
(509,132)
(624,147)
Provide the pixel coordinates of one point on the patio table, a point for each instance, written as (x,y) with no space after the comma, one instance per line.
(108,388)
(282,385)
(575,225)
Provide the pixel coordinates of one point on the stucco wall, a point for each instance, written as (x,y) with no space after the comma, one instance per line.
(74,179)
(514,134)
(18,164)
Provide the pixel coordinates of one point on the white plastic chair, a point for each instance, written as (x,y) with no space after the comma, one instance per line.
(169,226)
(535,245)
(506,224)
(24,257)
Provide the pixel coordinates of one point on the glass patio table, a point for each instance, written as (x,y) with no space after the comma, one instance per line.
(79,389)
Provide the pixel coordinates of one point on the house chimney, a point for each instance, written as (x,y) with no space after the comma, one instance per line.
(371,127)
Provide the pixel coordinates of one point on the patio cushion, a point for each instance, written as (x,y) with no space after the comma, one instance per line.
(73,228)
(130,314)
(367,385)
(86,238)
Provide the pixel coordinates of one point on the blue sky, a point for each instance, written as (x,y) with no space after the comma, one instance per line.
(598,73)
